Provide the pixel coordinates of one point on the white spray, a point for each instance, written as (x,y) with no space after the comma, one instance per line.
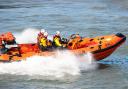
(27,36)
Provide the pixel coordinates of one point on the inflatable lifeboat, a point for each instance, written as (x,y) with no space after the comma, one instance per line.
(100,47)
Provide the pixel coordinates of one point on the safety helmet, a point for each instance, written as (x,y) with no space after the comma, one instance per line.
(45,34)
(42,30)
(57,32)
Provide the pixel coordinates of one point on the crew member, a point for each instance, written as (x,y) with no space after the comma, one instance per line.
(44,42)
(40,35)
(57,39)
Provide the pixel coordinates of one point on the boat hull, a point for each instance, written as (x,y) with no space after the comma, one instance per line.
(99,47)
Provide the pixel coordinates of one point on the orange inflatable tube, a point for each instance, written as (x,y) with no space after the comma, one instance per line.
(100,46)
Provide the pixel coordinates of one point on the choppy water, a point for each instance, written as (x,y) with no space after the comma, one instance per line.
(87,17)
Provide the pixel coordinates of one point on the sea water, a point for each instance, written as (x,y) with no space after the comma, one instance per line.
(88,18)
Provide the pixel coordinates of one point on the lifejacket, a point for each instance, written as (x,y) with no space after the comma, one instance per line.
(43,42)
(57,41)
